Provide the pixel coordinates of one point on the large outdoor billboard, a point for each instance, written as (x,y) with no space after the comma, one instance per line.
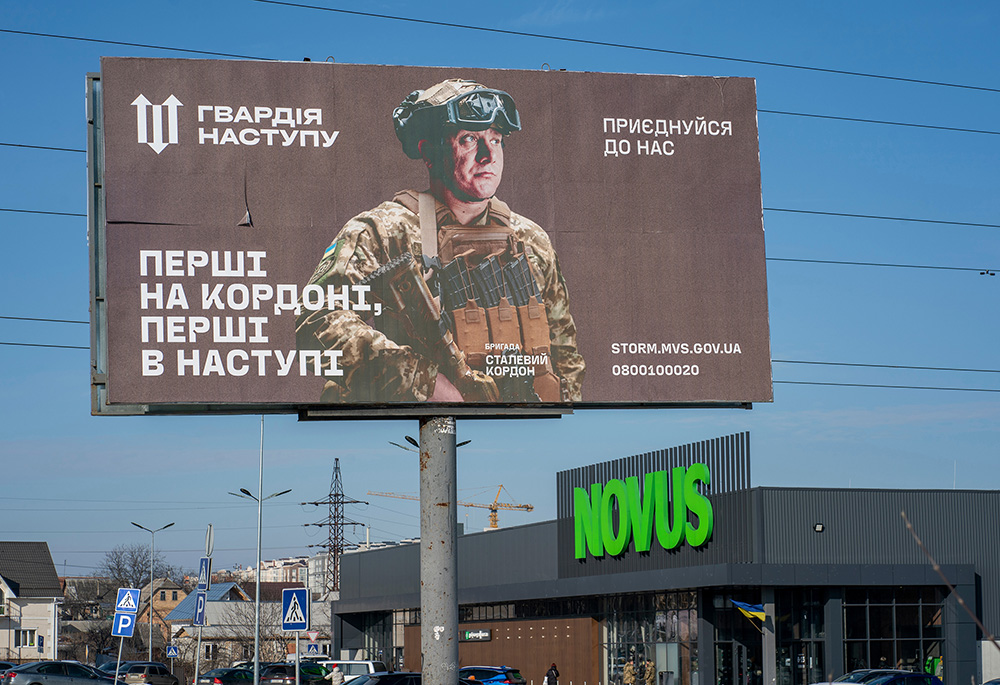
(272,235)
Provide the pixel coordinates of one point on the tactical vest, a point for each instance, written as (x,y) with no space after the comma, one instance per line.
(505,340)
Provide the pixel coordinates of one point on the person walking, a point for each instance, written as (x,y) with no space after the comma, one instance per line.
(650,672)
(628,676)
(552,675)
(336,676)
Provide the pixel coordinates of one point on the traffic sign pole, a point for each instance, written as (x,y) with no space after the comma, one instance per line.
(296,657)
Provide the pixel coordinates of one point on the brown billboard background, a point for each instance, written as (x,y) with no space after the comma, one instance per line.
(664,250)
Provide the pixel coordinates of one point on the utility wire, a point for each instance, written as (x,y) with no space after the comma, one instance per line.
(898,387)
(884,366)
(64,347)
(130,45)
(31,318)
(766,209)
(982,272)
(44,147)
(849,385)
(39,211)
(882,218)
(626,46)
(877,121)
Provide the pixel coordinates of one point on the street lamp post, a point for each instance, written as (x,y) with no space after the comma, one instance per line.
(152,539)
(246,494)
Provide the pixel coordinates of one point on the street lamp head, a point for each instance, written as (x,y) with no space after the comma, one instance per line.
(138,526)
(167,526)
(247,493)
(279,494)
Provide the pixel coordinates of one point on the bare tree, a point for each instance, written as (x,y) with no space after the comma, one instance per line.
(128,566)
(238,627)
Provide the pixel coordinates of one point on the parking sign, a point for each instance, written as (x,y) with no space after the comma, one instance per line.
(123,626)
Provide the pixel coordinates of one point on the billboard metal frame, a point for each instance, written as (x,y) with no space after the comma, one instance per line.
(97,241)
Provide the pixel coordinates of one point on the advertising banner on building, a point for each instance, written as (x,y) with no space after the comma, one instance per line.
(272,235)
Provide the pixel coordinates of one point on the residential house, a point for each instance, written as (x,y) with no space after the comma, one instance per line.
(166,596)
(30,595)
(228,635)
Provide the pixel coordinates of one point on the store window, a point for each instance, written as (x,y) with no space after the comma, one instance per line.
(799,633)
(656,631)
(738,641)
(893,628)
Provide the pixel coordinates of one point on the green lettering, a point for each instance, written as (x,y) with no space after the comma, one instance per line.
(615,543)
(641,511)
(669,489)
(587,521)
(699,505)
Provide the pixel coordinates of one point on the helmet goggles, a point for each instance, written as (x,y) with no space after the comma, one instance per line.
(481,108)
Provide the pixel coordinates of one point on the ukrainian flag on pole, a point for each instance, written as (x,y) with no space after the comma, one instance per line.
(751,611)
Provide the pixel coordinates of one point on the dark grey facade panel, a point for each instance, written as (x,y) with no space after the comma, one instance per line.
(864,527)
(727,457)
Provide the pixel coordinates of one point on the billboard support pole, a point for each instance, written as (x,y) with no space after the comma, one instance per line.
(438,551)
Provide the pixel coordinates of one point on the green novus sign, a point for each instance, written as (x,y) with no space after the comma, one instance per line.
(611,515)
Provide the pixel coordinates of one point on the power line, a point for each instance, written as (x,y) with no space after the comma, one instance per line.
(31,318)
(130,45)
(848,215)
(44,147)
(877,121)
(39,211)
(883,264)
(64,347)
(626,46)
(898,387)
(881,218)
(884,366)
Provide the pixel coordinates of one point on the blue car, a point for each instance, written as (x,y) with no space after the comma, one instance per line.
(494,675)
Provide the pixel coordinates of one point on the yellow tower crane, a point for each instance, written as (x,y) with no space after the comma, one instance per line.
(494,508)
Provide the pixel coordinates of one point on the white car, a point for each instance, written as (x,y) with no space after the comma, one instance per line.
(352,669)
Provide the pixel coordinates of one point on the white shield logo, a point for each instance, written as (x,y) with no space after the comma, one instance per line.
(146,113)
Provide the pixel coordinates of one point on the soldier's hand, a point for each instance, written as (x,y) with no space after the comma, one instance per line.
(445,391)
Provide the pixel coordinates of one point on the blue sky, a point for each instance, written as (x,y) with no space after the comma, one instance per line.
(77,481)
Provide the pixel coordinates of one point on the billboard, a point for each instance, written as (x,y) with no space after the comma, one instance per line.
(285,236)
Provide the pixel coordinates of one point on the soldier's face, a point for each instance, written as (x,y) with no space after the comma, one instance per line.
(473,163)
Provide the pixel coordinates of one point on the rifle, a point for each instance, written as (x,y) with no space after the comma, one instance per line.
(401,287)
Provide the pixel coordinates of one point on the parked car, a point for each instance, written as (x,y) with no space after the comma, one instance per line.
(148,674)
(54,673)
(284,674)
(108,667)
(906,679)
(495,675)
(863,675)
(227,676)
(399,678)
(4,665)
(352,668)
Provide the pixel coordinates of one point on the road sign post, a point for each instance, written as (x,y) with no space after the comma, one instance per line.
(201,601)
(126,609)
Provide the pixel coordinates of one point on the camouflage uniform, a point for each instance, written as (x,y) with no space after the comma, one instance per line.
(378,359)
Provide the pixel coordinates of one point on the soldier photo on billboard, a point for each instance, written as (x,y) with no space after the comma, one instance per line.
(474,306)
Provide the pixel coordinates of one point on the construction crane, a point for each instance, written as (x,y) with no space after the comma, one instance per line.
(494,508)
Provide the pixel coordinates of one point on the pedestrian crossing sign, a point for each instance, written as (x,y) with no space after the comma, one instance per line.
(294,609)
(128,601)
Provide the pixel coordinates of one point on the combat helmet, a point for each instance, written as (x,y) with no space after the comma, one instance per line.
(466,104)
